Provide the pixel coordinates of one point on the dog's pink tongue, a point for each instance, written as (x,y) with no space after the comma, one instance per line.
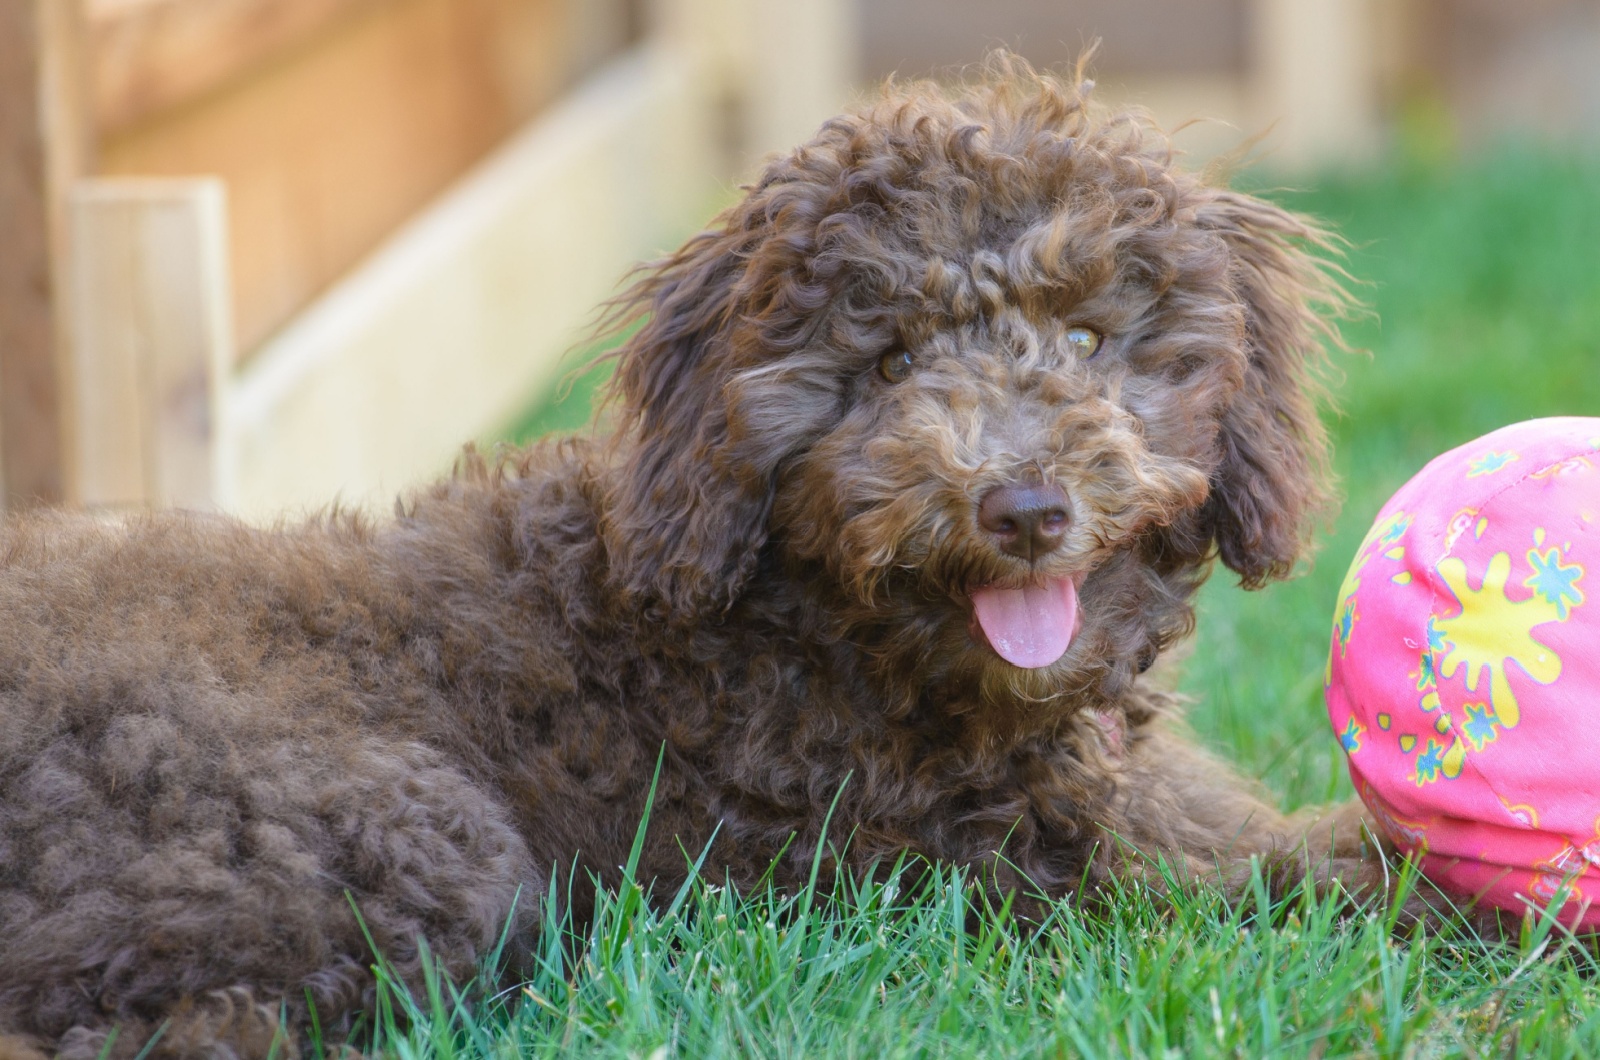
(1029,627)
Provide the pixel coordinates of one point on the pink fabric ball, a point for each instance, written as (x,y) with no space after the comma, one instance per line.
(1464,674)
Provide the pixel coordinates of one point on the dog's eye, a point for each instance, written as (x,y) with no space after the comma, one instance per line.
(1083,341)
(895,366)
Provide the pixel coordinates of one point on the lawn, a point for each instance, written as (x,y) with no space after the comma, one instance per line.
(1484,281)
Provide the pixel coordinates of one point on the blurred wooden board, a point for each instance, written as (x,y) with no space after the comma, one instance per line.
(444,333)
(344,132)
(44,145)
(151,55)
(149,297)
(1139,38)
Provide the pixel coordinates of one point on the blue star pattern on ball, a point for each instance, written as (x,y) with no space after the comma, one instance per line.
(1350,738)
(1426,678)
(1429,763)
(1489,463)
(1556,582)
(1347,621)
(1481,725)
(1436,641)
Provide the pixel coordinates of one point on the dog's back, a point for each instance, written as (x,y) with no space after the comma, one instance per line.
(210,735)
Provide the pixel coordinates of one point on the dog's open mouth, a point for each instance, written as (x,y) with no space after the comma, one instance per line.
(1030,627)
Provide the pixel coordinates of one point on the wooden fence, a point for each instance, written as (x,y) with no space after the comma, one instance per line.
(269,253)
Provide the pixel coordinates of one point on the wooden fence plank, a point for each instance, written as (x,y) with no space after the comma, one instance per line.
(44,145)
(448,330)
(329,147)
(152,339)
(154,54)
(1315,72)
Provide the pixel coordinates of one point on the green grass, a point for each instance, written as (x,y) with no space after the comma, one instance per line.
(1485,282)
(886,971)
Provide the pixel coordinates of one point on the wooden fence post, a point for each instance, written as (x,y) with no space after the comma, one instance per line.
(46,141)
(152,339)
(776,69)
(1316,72)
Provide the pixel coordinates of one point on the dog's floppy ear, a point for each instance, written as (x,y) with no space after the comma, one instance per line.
(687,515)
(1273,481)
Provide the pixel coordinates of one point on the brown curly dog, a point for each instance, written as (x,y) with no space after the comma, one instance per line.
(923,449)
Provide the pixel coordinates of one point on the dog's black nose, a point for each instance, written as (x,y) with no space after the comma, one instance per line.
(1026,521)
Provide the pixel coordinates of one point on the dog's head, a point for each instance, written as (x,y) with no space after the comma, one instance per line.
(988,369)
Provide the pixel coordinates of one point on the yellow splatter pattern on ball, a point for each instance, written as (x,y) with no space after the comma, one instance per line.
(1494,630)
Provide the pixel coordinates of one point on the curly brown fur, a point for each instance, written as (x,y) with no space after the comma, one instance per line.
(210,734)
